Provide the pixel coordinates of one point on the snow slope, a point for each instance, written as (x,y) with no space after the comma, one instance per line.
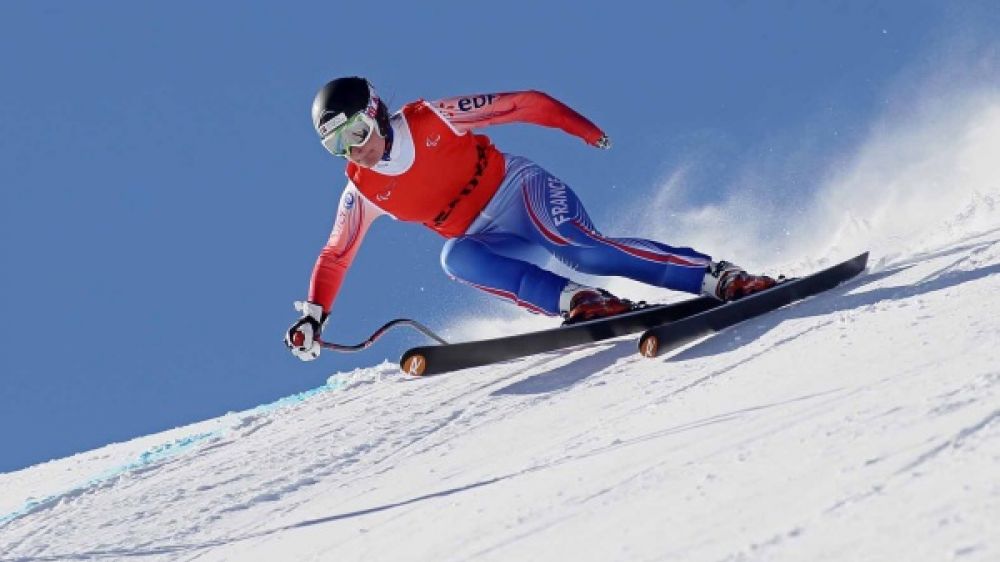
(862,424)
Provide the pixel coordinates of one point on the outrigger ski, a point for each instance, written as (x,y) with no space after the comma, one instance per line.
(674,334)
(434,359)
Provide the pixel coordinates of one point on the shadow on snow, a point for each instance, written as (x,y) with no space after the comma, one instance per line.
(829,303)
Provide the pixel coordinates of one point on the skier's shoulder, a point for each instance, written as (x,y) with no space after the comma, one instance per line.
(422,113)
(416,107)
(413,111)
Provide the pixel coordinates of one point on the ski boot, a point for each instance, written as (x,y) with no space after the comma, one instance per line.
(587,303)
(729,282)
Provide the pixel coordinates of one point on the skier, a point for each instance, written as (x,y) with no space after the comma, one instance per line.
(497,211)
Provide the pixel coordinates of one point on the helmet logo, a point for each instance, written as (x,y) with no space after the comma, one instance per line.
(373,100)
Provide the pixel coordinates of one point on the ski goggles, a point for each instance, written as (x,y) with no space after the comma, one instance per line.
(339,135)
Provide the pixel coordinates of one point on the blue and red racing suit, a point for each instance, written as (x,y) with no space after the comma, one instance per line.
(503,215)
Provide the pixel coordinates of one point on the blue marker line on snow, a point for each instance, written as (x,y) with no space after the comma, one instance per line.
(158,454)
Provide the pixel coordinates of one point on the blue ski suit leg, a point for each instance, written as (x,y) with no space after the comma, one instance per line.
(534,210)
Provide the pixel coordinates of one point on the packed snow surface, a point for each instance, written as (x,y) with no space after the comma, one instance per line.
(861,424)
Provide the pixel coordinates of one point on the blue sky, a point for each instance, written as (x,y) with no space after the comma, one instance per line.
(163,196)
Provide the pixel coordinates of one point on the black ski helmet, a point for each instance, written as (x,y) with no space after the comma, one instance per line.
(350,96)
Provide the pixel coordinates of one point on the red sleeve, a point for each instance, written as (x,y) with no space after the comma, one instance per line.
(354,215)
(469,112)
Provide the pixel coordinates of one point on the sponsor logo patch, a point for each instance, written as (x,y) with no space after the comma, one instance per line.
(475,102)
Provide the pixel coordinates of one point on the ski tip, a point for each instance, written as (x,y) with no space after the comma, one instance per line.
(649,346)
(414,365)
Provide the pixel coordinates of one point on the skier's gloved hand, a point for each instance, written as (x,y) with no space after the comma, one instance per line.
(603,142)
(303,337)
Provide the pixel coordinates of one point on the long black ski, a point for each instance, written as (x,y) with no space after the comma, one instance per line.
(433,359)
(676,333)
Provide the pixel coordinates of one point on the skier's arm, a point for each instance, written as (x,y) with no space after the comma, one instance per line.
(470,112)
(354,215)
